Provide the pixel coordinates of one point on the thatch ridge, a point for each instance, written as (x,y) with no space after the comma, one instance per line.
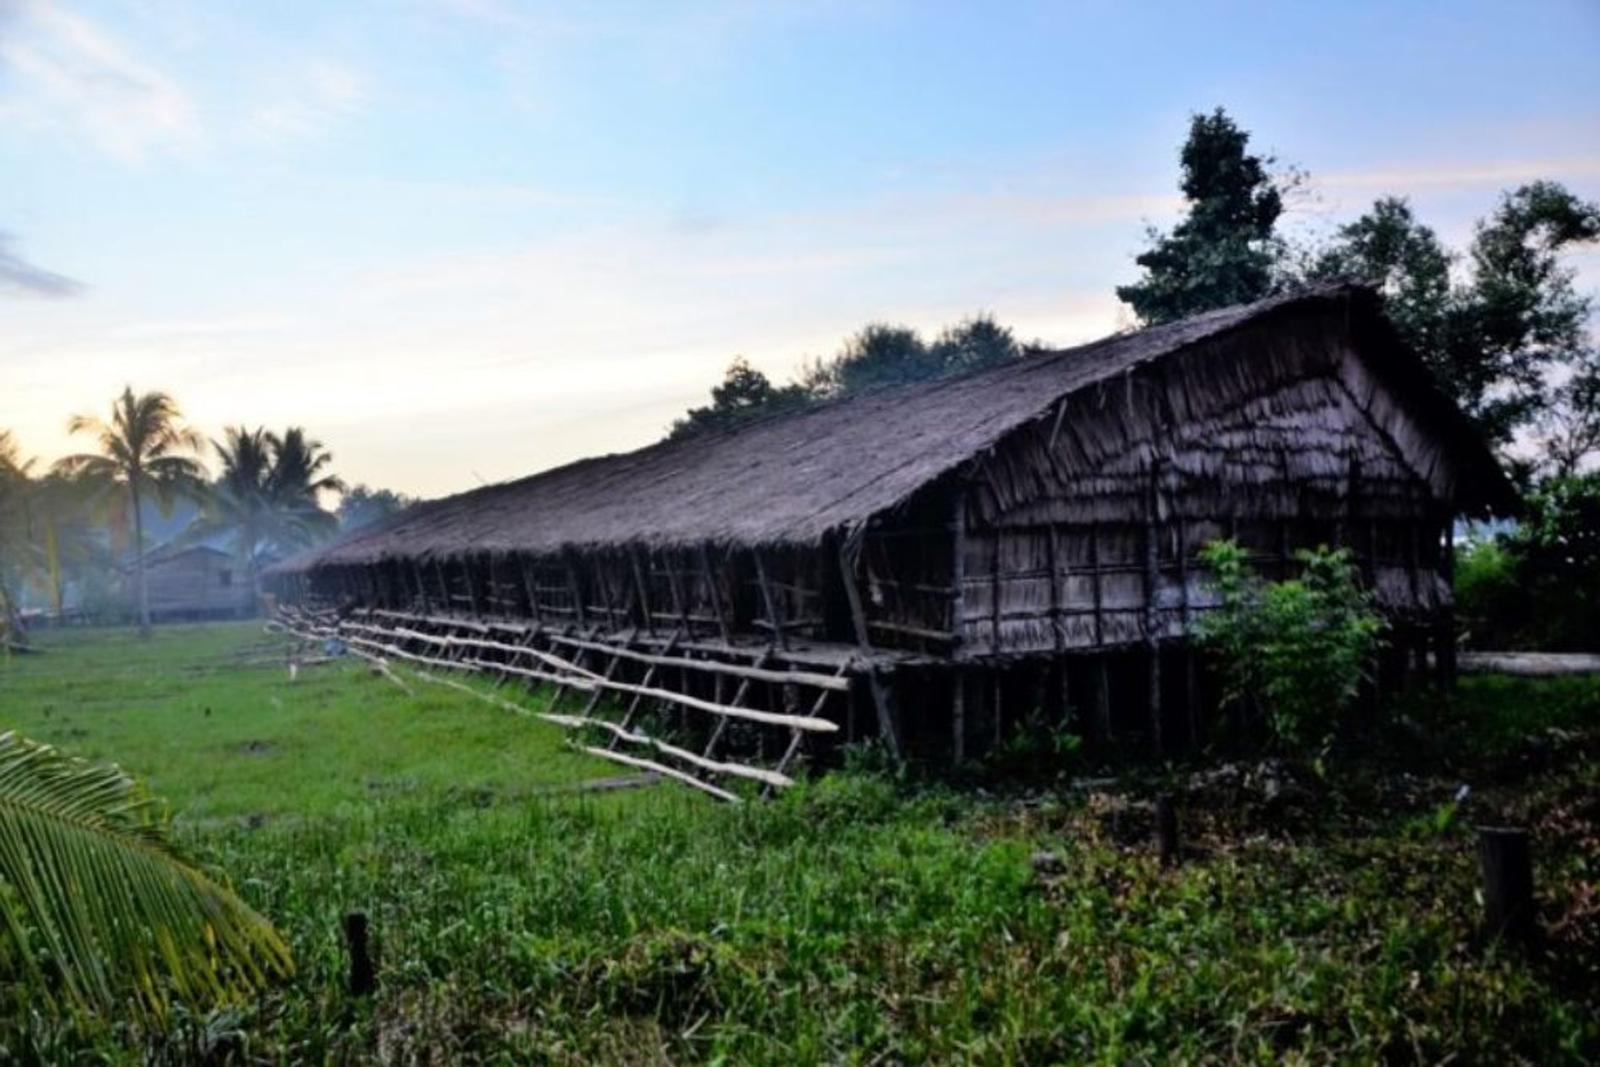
(797,477)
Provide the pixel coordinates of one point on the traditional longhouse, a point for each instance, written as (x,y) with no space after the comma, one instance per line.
(948,555)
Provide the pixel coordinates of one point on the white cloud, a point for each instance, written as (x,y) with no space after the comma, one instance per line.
(70,76)
(324,94)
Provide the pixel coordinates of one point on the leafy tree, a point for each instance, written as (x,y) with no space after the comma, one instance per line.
(1225,251)
(1296,650)
(362,506)
(744,395)
(1570,426)
(974,344)
(99,908)
(1493,337)
(1537,586)
(878,355)
(143,455)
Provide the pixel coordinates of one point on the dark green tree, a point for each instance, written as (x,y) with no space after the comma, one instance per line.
(973,344)
(1225,251)
(362,506)
(878,355)
(1494,335)
(744,394)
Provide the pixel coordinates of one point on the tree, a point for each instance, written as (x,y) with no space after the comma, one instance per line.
(1225,251)
(268,492)
(142,456)
(17,487)
(744,395)
(878,355)
(1494,336)
(99,907)
(974,344)
(362,506)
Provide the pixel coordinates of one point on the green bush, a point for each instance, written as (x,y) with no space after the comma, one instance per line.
(1538,585)
(1296,651)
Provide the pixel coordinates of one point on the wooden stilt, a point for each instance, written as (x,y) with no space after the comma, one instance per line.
(849,552)
(958,715)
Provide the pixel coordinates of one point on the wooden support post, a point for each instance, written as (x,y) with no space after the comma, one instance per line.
(1507,882)
(1152,618)
(1445,654)
(363,980)
(1094,566)
(530,587)
(1167,831)
(1052,555)
(1102,699)
(958,715)
(958,568)
(578,606)
(444,586)
(773,615)
(712,594)
(849,552)
(1191,694)
(994,592)
(643,589)
(998,681)
(680,600)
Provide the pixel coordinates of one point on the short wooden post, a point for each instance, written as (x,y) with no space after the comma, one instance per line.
(1167,830)
(362,979)
(958,715)
(1507,882)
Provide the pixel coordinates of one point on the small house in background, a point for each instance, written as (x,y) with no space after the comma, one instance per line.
(200,582)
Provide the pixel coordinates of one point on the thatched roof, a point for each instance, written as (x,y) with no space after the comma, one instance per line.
(796,478)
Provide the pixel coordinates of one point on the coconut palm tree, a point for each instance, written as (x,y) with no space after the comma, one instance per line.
(17,486)
(99,909)
(267,492)
(142,454)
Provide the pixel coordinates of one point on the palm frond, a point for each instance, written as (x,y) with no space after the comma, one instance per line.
(99,904)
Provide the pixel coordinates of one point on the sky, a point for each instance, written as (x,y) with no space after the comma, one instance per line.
(464,240)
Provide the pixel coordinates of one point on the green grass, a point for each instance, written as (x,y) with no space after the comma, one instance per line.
(856,919)
(208,717)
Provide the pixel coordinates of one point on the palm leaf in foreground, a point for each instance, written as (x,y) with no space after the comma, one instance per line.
(98,905)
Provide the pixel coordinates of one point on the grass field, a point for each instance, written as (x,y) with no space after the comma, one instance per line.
(860,918)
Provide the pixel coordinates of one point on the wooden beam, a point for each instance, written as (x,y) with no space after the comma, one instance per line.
(849,552)
(709,577)
(773,615)
(1152,622)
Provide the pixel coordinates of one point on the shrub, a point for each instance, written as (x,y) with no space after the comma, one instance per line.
(1296,650)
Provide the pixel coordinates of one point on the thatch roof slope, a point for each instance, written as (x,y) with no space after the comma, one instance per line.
(794,479)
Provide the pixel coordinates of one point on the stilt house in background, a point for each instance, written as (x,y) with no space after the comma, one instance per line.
(199,582)
(929,562)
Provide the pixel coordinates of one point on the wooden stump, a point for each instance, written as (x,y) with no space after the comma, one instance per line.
(1507,882)
(1167,830)
(362,978)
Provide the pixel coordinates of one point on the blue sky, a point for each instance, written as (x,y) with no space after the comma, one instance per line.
(461,240)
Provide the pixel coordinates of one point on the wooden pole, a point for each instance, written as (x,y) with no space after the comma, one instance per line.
(1507,882)
(958,715)
(1447,621)
(1167,830)
(770,601)
(711,592)
(363,980)
(1152,579)
(887,727)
